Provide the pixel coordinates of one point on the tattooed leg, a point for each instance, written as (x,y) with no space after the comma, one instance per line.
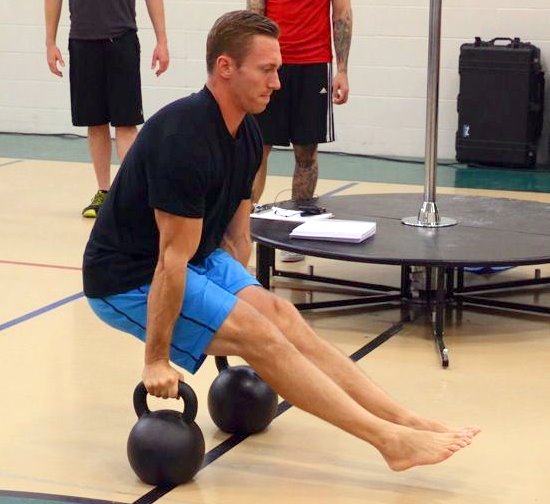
(306,171)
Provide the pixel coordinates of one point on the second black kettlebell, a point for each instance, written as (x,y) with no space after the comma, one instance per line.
(239,401)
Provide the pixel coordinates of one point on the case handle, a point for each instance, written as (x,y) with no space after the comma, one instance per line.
(513,42)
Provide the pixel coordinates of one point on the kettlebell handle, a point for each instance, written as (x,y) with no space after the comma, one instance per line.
(221,363)
(184,391)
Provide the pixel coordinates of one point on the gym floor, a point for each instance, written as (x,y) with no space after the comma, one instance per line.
(67,379)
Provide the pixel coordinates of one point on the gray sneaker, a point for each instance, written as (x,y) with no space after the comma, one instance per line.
(290,257)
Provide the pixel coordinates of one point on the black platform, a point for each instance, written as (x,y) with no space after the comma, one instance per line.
(490,232)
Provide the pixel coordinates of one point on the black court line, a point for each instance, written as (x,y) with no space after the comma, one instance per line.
(11,162)
(340,189)
(154,495)
(40,311)
(54,497)
(283,407)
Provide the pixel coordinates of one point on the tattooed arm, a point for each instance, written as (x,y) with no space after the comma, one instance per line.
(256,6)
(341,27)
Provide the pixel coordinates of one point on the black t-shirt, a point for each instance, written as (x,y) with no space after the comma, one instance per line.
(184,162)
(101,19)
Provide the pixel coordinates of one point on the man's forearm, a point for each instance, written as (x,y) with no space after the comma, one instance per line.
(155,8)
(52,14)
(342,22)
(256,6)
(164,305)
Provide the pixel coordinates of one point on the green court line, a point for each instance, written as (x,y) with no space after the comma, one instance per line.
(15,161)
(332,166)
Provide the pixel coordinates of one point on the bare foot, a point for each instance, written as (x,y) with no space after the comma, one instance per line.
(405,448)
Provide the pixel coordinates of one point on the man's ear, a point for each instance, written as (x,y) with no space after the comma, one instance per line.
(225,66)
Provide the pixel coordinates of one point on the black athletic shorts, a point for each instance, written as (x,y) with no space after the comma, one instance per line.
(105,81)
(301,111)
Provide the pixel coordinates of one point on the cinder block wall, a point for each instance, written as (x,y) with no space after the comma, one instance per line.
(386,111)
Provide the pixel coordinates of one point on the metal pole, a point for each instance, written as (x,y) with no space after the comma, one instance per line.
(432,101)
(428,216)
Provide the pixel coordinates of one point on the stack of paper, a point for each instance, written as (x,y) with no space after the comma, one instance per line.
(335,230)
(283,214)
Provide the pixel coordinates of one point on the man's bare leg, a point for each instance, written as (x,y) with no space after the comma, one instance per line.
(124,138)
(335,364)
(261,176)
(306,172)
(99,142)
(249,334)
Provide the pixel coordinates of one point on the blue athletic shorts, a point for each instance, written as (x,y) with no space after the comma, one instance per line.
(210,295)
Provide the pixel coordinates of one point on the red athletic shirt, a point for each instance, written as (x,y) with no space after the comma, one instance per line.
(305,29)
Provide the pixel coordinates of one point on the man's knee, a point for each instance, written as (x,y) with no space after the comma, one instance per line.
(285,312)
(247,332)
(279,311)
(288,320)
(125,130)
(98,129)
(306,155)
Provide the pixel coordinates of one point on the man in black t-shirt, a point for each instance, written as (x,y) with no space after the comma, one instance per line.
(166,260)
(105,74)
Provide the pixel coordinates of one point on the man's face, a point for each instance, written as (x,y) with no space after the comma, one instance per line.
(254,81)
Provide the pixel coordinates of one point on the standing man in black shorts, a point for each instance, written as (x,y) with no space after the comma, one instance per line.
(105,75)
(301,112)
(166,260)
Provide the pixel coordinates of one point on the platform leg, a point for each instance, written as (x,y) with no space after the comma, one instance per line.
(406,281)
(406,293)
(450,282)
(459,279)
(439,322)
(428,285)
(265,260)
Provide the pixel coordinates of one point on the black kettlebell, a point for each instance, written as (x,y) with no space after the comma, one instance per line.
(166,447)
(239,401)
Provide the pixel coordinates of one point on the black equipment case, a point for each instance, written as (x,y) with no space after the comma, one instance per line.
(501,102)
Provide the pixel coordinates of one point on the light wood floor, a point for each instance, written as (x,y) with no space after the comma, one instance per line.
(66,379)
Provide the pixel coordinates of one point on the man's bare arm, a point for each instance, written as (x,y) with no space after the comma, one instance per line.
(256,6)
(161,57)
(52,13)
(342,23)
(341,28)
(179,240)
